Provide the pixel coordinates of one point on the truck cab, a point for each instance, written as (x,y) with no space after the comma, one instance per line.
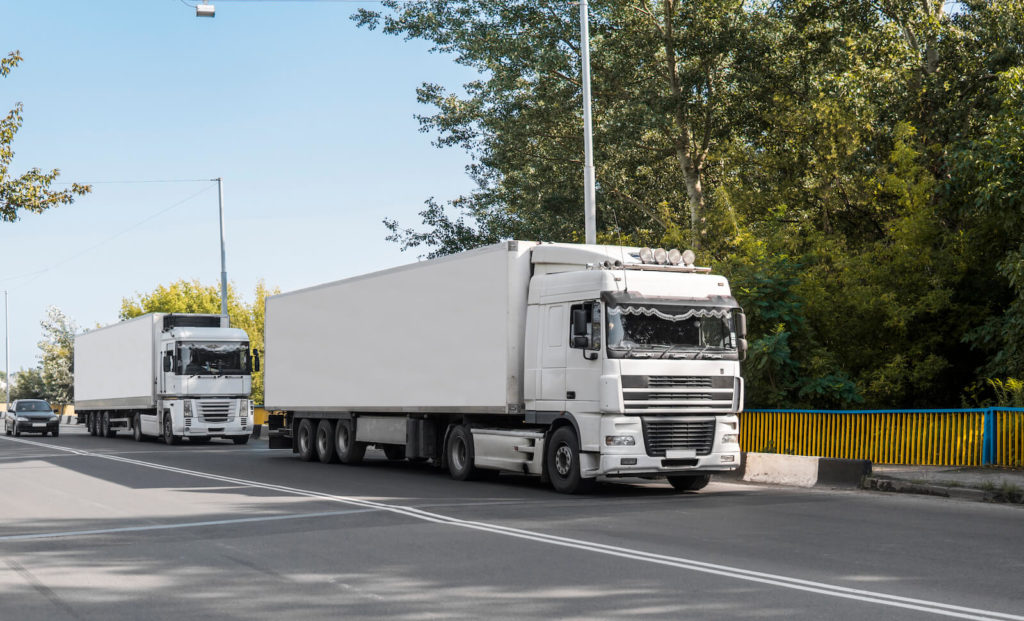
(205,378)
(640,357)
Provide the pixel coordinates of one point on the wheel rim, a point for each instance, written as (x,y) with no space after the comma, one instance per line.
(321,441)
(563,460)
(459,454)
(167,427)
(304,441)
(342,438)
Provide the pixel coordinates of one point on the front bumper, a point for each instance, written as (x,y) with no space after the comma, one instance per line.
(37,427)
(620,464)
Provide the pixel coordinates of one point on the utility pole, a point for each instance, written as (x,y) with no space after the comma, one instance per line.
(223,255)
(7,354)
(589,191)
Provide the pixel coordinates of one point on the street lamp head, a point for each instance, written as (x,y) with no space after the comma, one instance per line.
(204,10)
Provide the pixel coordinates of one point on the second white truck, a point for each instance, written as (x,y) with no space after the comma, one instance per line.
(570,362)
(171,376)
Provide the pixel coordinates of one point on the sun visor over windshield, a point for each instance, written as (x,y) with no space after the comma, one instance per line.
(619,298)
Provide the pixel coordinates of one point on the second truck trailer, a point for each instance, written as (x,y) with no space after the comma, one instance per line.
(570,362)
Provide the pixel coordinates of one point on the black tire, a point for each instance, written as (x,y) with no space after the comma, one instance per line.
(55,433)
(17,432)
(459,453)
(305,440)
(562,462)
(394,452)
(348,450)
(240,439)
(325,448)
(168,432)
(7,428)
(91,424)
(689,482)
(105,425)
(137,428)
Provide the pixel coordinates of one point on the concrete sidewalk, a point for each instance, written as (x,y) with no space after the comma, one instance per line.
(986,484)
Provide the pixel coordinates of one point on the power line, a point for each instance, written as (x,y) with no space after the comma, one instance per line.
(35,275)
(130,181)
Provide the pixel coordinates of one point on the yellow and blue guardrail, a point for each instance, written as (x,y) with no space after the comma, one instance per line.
(965,437)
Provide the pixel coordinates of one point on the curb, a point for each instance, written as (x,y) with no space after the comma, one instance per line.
(800,470)
(901,486)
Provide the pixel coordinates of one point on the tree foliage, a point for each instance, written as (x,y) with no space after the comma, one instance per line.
(191,296)
(58,356)
(31,190)
(854,167)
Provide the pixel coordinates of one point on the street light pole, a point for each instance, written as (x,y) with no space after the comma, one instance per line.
(589,192)
(7,354)
(223,255)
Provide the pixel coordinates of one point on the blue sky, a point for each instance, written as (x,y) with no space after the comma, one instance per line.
(308,119)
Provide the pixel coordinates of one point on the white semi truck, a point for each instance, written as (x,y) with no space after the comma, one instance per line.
(167,375)
(570,362)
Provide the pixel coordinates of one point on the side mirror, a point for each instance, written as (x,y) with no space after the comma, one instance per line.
(255,361)
(742,349)
(167,362)
(741,326)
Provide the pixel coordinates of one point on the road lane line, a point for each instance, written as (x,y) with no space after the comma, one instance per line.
(132,529)
(810,586)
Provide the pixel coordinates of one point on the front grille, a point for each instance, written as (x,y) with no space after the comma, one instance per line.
(679,381)
(662,435)
(678,394)
(220,411)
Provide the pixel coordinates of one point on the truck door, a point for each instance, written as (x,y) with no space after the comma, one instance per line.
(552,376)
(582,364)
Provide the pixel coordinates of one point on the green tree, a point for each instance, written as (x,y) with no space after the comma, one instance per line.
(669,80)
(184,296)
(58,355)
(28,384)
(29,191)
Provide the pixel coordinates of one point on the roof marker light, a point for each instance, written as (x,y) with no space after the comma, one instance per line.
(674,256)
(689,257)
(661,256)
(646,255)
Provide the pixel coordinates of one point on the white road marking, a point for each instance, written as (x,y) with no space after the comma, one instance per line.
(131,529)
(738,573)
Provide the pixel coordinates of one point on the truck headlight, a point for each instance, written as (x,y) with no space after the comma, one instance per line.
(188,408)
(619,441)
(731,438)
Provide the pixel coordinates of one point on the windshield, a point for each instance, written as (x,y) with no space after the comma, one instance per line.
(213,359)
(32,406)
(664,331)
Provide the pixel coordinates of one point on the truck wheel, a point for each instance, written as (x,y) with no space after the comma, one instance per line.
(240,439)
(105,425)
(689,482)
(394,452)
(137,428)
(349,451)
(90,423)
(460,454)
(325,449)
(562,462)
(306,440)
(169,437)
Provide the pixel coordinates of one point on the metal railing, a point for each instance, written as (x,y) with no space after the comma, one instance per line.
(967,437)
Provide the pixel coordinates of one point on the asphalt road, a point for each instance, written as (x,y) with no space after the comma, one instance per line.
(108,529)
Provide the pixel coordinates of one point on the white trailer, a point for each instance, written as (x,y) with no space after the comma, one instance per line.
(570,362)
(167,375)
